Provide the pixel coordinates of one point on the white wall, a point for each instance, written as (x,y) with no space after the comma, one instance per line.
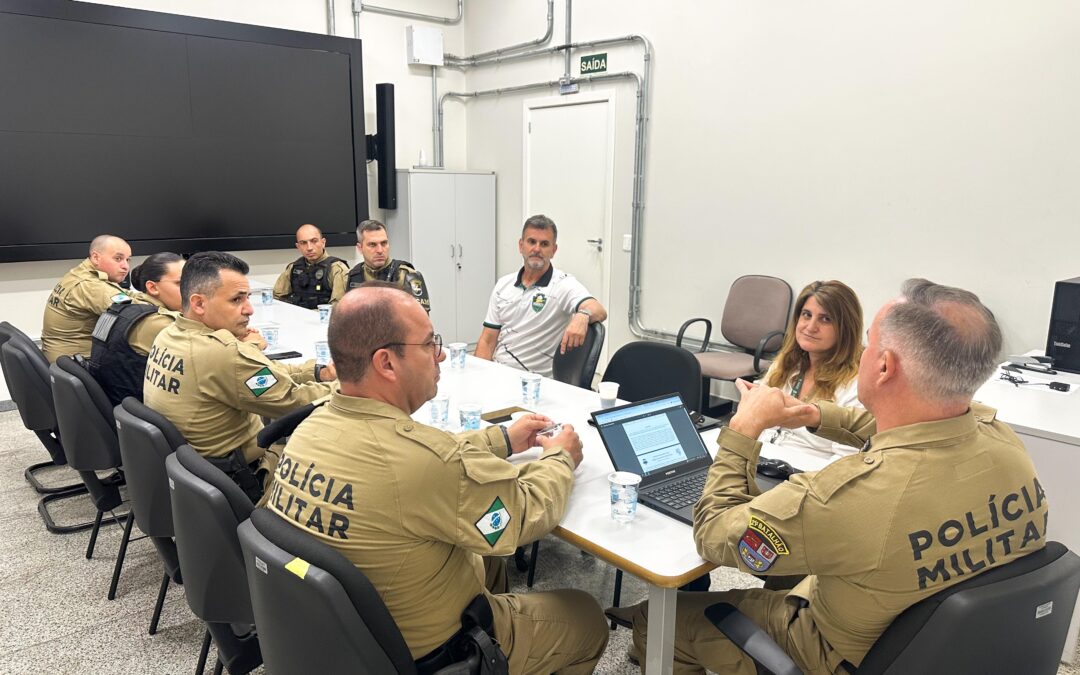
(867,142)
(24,287)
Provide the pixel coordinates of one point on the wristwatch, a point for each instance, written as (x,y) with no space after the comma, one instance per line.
(582,310)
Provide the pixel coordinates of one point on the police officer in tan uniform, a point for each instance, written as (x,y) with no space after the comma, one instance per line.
(374,247)
(416,508)
(82,295)
(314,278)
(941,491)
(213,383)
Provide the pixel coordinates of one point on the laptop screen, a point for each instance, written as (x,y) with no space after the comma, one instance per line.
(650,436)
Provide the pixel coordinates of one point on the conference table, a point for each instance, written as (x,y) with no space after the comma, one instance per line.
(654,548)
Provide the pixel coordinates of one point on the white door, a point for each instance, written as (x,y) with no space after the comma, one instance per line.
(568,166)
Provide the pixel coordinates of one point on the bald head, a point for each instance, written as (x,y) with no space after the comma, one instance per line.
(947,340)
(365,320)
(110,254)
(310,242)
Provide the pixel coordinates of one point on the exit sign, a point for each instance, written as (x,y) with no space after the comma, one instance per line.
(594,63)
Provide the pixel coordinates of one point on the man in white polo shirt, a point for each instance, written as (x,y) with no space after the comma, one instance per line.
(539,309)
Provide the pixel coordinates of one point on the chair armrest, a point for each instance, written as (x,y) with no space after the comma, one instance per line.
(750,638)
(761,348)
(704,341)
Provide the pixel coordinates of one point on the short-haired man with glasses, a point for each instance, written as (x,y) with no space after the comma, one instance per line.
(315,278)
(208,377)
(420,510)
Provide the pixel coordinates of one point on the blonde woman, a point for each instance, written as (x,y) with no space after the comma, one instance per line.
(819,360)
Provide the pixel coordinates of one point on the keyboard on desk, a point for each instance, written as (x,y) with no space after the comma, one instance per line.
(679,493)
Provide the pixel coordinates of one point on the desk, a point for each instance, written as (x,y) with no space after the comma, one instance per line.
(654,548)
(1048,422)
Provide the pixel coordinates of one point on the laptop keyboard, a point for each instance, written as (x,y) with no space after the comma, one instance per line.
(680,493)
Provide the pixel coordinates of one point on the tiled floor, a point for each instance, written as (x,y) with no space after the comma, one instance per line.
(54,617)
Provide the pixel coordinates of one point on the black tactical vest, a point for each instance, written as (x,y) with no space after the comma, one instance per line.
(412,281)
(117,367)
(311,283)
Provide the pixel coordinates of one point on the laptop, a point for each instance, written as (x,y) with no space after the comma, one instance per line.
(656,440)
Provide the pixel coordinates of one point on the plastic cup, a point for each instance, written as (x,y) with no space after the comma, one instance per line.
(440,411)
(322,353)
(455,352)
(530,388)
(609,391)
(624,495)
(324,313)
(470,416)
(266,296)
(270,332)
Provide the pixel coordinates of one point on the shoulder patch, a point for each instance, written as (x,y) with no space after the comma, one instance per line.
(260,382)
(760,545)
(120,297)
(494,521)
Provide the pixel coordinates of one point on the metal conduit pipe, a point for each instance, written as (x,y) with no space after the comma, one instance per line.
(359,6)
(566,40)
(435,160)
(331,28)
(453,61)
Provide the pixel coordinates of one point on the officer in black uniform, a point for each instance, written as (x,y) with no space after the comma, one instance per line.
(314,278)
(374,246)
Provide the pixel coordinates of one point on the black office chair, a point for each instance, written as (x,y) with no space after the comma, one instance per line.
(330,619)
(26,372)
(207,507)
(647,369)
(755,315)
(87,425)
(578,366)
(1011,619)
(146,439)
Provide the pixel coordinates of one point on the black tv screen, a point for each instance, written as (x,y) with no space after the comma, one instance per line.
(175,133)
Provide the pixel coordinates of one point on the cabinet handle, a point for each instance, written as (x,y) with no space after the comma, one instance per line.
(459,251)
(451,251)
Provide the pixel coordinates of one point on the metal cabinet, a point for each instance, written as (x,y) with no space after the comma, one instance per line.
(445,226)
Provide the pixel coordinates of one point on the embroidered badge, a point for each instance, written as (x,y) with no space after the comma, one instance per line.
(319,274)
(760,545)
(538,302)
(494,521)
(260,382)
(417,288)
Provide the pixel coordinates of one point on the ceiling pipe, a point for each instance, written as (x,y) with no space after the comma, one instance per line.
(359,6)
(331,27)
(453,61)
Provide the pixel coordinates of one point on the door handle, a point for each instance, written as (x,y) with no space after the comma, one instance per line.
(460,253)
(598,243)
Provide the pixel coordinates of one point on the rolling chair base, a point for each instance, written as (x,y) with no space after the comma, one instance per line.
(43,489)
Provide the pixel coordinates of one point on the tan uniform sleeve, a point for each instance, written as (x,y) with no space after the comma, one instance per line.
(256,384)
(96,297)
(483,503)
(493,438)
(300,372)
(805,525)
(283,285)
(141,337)
(339,280)
(848,426)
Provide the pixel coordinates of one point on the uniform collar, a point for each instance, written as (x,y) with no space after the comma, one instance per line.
(542,281)
(376,272)
(937,433)
(89,268)
(325,255)
(194,326)
(148,299)
(367,406)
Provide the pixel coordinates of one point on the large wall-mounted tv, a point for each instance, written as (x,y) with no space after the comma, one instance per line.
(173,132)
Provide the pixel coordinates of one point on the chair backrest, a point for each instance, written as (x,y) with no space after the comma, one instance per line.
(647,369)
(207,507)
(26,371)
(756,305)
(84,417)
(578,366)
(146,439)
(1011,619)
(315,610)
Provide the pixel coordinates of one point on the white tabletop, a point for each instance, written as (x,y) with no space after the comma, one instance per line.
(1035,409)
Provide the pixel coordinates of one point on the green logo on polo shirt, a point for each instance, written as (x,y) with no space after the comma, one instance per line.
(494,521)
(538,302)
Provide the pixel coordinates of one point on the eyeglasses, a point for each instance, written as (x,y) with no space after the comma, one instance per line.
(435,341)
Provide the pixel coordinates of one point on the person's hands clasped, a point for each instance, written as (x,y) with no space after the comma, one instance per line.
(255,337)
(762,407)
(522,432)
(574,336)
(568,440)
